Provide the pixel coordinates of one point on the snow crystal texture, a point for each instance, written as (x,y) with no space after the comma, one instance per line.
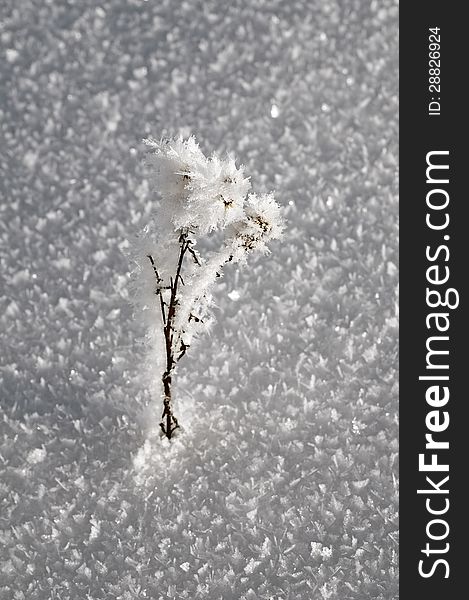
(284,484)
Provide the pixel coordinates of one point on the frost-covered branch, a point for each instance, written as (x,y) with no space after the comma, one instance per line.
(199,195)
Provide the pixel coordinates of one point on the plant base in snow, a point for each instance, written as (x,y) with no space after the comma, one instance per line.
(169,423)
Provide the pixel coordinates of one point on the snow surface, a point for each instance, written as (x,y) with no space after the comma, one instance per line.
(283,485)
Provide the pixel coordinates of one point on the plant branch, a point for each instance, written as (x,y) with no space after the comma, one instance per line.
(194,255)
(158,289)
(169,422)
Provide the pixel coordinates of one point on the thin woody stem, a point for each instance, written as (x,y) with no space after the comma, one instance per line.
(194,255)
(158,291)
(171,422)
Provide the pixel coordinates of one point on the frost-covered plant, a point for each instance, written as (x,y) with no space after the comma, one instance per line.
(172,280)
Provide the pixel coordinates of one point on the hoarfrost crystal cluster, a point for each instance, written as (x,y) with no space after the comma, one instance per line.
(172,280)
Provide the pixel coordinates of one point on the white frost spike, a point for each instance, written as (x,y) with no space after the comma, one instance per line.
(262,223)
(171,280)
(172,163)
(204,194)
(216,196)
